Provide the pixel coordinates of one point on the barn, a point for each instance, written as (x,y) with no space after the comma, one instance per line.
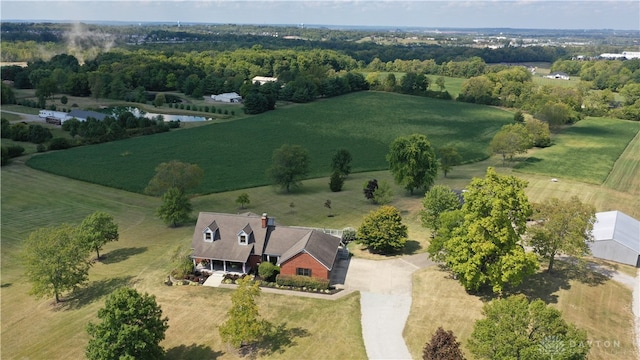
(616,238)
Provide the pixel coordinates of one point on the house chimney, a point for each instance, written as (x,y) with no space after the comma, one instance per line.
(264,220)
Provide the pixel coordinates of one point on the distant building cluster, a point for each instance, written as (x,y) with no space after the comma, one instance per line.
(628,55)
(558,75)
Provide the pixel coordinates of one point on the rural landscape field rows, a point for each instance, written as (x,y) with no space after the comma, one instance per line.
(337,94)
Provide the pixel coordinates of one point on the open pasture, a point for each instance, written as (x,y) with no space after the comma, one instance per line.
(590,301)
(32,199)
(34,328)
(625,175)
(585,151)
(235,155)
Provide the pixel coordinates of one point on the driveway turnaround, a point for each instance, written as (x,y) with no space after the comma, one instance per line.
(385,301)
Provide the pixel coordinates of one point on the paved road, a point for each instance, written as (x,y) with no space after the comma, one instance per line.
(385,301)
(25,117)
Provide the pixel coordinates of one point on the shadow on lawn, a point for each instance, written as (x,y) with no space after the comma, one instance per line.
(94,291)
(193,351)
(544,285)
(122,254)
(279,339)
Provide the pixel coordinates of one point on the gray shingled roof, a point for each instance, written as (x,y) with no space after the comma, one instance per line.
(282,241)
(322,247)
(227,246)
(84,114)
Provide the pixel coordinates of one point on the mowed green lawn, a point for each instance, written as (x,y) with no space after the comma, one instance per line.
(235,155)
(585,151)
(590,301)
(34,328)
(625,175)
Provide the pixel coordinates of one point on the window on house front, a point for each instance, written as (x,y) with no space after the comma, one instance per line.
(243,239)
(208,236)
(303,272)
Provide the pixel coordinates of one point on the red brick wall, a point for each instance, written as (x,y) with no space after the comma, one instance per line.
(304,260)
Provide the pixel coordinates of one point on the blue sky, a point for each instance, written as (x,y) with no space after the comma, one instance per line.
(554,14)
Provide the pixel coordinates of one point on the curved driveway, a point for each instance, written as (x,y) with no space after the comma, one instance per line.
(385,301)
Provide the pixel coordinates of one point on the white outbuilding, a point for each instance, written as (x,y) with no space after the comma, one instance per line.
(616,238)
(231,97)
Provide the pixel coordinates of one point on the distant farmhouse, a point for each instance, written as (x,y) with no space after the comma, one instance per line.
(238,243)
(263,79)
(231,97)
(59,117)
(558,75)
(617,238)
(628,55)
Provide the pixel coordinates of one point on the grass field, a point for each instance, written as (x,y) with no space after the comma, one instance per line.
(591,302)
(32,328)
(451,84)
(585,151)
(31,199)
(235,154)
(625,175)
(541,80)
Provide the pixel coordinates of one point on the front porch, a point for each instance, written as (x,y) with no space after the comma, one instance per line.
(220,266)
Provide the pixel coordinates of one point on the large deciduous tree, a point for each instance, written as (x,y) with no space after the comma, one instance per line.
(512,139)
(244,325)
(96,230)
(540,133)
(487,248)
(382,231)
(515,328)
(176,174)
(55,261)
(290,165)
(561,227)
(437,200)
(442,346)
(132,327)
(175,208)
(413,162)
(448,157)
(341,162)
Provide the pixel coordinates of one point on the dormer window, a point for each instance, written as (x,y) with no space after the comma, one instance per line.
(209,233)
(244,235)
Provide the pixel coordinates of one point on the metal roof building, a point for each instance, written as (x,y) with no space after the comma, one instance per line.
(617,238)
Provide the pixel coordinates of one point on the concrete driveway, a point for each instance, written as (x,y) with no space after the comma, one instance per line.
(385,301)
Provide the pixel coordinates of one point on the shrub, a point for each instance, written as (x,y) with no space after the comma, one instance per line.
(336,182)
(41,148)
(349,235)
(268,271)
(14,150)
(4,160)
(302,281)
(59,144)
